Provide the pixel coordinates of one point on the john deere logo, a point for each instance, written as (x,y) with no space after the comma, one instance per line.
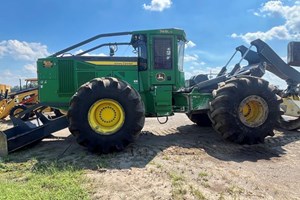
(160,77)
(47,64)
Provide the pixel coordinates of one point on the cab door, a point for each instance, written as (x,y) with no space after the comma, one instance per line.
(162,66)
(162,73)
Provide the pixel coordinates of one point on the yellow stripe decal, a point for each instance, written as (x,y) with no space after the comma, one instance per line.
(112,63)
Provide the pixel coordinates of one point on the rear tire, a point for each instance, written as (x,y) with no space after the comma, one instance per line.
(245,110)
(201,119)
(106,114)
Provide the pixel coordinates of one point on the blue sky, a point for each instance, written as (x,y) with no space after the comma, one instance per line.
(36,28)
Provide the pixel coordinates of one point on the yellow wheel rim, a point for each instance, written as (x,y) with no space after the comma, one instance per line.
(17,111)
(253,111)
(106,116)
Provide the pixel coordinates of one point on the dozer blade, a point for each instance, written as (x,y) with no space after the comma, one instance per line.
(27,133)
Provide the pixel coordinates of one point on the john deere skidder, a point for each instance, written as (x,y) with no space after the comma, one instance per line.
(107,98)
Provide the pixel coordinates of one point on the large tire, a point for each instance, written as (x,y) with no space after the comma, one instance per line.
(245,110)
(201,119)
(106,114)
(16,110)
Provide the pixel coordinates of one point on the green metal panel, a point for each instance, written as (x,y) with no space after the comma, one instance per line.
(162,96)
(193,101)
(60,81)
(180,101)
(49,82)
(84,77)
(107,73)
(198,101)
(84,66)
(66,77)
(131,77)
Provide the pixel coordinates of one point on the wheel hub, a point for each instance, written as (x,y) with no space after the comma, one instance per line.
(106,116)
(253,111)
(17,111)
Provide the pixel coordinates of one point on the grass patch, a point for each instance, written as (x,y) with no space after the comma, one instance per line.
(101,163)
(235,191)
(197,194)
(203,176)
(157,165)
(221,197)
(176,178)
(40,180)
(178,189)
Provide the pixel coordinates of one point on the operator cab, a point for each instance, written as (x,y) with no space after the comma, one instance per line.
(160,67)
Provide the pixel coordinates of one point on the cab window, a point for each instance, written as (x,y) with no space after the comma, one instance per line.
(163,53)
(180,54)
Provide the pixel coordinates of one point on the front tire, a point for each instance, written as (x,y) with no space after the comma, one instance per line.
(106,114)
(245,110)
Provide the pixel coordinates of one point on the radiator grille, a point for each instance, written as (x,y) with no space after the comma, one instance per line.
(66,77)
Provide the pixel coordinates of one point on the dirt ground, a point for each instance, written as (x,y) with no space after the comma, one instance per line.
(180,160)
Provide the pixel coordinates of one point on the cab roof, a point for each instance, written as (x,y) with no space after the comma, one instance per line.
(168,31)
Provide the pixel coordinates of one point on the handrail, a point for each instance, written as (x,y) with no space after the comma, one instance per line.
(102,45)
(88,41)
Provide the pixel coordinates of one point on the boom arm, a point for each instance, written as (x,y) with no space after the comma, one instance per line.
(275,64)
(251,56)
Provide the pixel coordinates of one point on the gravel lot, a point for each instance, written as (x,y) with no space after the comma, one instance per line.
(180,160)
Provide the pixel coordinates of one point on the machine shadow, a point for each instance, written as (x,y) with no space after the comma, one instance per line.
(65,150)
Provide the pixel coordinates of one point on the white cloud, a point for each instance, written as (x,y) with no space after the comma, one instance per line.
(275,80)
(31,68)
(88,54)
(23,50)
(210,71)
(10,77)
(256,14)
(25,54)
(158,5)
(278,32)
(192,60)
(7,73)
(189,58)
(202,63)
(190,44)
(2,50)
(290,30)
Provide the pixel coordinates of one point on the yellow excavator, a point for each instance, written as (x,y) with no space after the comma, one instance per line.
(13,103)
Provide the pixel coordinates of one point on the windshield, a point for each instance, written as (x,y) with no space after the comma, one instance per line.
(180,54)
